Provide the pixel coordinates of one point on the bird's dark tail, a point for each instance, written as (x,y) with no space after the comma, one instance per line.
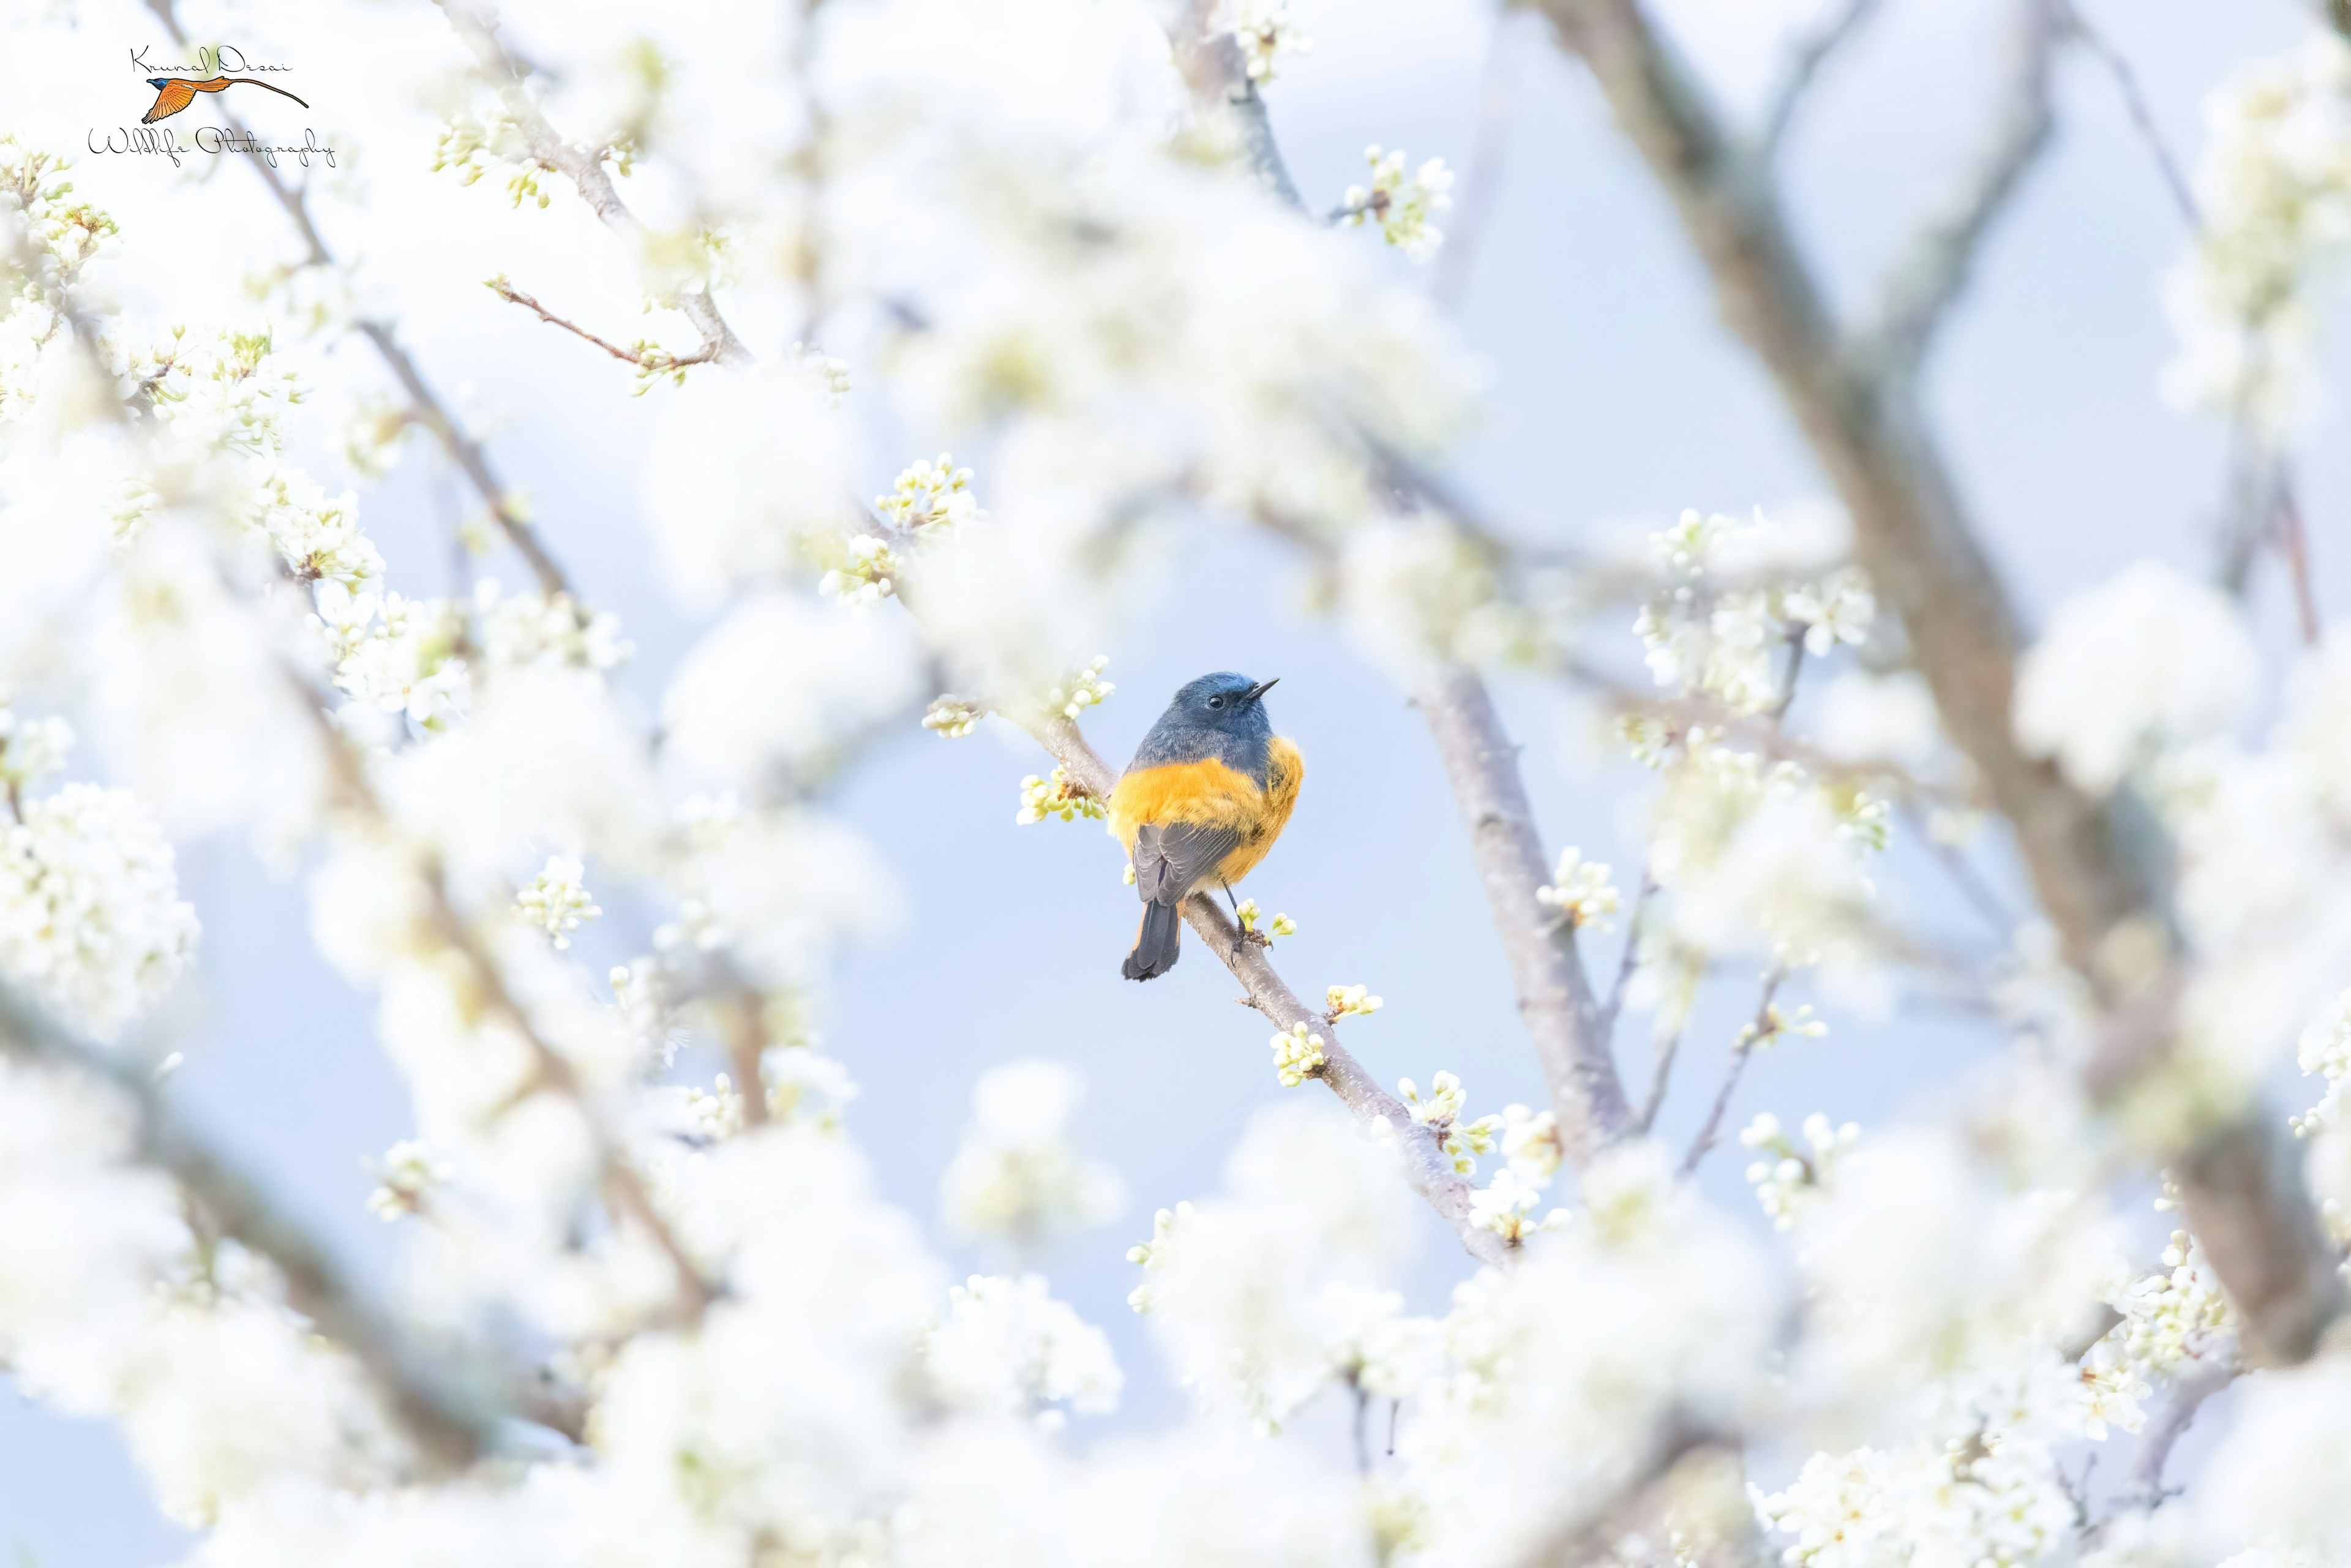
(1156,943)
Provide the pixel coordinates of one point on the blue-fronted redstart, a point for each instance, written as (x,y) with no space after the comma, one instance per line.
(1209,791)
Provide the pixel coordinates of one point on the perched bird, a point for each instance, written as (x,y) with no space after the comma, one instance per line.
(1209,791)
(174,94)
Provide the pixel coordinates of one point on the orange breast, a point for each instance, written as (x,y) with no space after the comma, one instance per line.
(1285,771)
(1212,793)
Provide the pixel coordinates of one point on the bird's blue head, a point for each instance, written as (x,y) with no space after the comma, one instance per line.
(159,83)
(1226,702)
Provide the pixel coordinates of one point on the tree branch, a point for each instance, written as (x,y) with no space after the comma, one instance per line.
(513,295)
(1428,1168)
(466,454)
(1924,557)
(2242,1192)
(1464,236)
(2146,1491)
(450,1424)
(1757,1033)
(1212,68)
(584,167)
(1911,533)
(1804,64)
(1555,995)
(2142,118)
(1943,255)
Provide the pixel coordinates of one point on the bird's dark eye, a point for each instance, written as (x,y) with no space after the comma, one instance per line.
(1216,701)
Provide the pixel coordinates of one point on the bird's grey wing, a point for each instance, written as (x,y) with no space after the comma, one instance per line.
(1171,858)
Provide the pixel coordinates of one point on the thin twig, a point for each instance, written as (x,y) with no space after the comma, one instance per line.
(2142,118)
(2293,544)
(1778,713)
(1668,1046)
(1755,1034)
(1963,874)
(1943,257)
(660,361)
(2146,1492)
(1631,959)
(583,166)
(1497,102)
(1804,64)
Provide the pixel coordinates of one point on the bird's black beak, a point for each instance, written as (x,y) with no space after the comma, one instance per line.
(1262,688)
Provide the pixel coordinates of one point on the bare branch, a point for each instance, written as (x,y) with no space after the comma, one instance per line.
(655,361)
(1661,1074)
(451,1425)
(1555,994)
(1630,960)
(1426,1166)
(468,455)
(1577,1538)
(1756,1034)
(1804,63)
(584,167)
(2242,1195)
(1456,258)
(2293,543)
(1943,255)
(2142,118)
(2146,1491)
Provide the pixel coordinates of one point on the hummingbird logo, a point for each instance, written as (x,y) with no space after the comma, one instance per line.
(174,94)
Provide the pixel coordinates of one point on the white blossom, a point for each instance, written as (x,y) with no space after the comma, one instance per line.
(1016,1176)
(2274,193)
(1265,30)
(31,748)
(1582,891)
(557,899)
(1007,1344)
(930,499)
(1793,1176)
(1297,1055)
(91,916)
(406,1175)
(1058,796)
(2151,661)
(1402,204)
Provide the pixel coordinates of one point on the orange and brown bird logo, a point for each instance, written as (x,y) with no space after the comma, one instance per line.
(174,94)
